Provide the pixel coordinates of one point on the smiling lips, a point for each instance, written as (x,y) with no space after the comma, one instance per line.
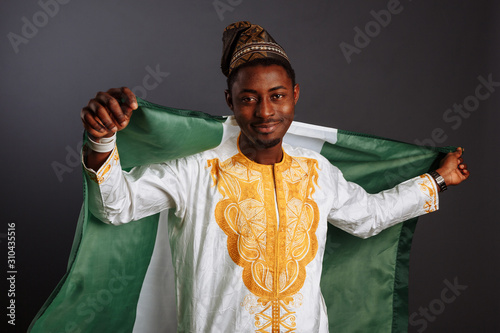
(266,127)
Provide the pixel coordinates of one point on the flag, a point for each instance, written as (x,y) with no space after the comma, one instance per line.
(120,279)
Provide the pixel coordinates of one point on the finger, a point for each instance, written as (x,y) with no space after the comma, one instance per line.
(92,132)
(130,98)
(464,170)
(126,98)
(465,173)
(111,104)
(102,115)
(89,122)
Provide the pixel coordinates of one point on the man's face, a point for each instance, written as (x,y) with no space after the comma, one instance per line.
(263,100)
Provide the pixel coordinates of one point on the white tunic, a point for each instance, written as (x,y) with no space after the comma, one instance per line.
(248,242)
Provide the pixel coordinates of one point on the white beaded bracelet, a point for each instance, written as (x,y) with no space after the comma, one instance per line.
(104,146)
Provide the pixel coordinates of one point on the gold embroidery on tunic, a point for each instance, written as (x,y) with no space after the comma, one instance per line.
(426,187)
(104,170)
(273,254)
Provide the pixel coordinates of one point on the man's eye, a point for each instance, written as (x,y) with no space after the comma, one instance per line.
(278,96)
(247,99)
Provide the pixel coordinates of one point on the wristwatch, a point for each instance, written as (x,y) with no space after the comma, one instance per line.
(439,180)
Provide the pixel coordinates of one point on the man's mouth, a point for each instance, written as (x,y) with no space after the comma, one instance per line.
(265,128)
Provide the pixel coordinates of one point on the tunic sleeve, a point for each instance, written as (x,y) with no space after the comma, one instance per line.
(118,197)
(362,214)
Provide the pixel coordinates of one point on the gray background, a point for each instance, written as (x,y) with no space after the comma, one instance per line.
(399,86)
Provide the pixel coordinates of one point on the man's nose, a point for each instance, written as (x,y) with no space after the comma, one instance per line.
(264,109)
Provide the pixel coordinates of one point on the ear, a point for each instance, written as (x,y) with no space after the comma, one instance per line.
(296,93)
(229,99)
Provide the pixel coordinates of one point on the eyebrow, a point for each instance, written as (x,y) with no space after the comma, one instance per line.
(255,91)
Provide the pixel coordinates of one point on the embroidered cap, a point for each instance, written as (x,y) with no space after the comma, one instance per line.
(243,42)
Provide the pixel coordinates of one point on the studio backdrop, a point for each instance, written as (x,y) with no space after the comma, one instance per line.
(421,72)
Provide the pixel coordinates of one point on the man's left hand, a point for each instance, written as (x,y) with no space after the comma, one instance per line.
(453,169)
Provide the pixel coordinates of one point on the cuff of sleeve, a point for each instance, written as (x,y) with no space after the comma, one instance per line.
(104,171)
(429,189)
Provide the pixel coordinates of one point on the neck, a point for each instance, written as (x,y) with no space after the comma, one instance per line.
(259,154)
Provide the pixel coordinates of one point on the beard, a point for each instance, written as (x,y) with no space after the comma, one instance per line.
(251,151)
(268,143)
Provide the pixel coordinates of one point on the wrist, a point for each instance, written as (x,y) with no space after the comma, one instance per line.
(439,180)
(101,145)
(99,138)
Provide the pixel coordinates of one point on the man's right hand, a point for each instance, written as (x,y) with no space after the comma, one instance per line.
(109,112)
(104,115)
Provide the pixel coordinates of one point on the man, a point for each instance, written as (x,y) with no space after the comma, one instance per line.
(250,228)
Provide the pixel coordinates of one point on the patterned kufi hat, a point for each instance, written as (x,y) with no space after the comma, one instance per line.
(243,42)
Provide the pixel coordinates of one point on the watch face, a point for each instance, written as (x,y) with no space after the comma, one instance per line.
(439,180)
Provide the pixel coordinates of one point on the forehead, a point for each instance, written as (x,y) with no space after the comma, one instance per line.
(261,77)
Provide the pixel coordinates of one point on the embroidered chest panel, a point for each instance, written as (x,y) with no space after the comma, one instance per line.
(270,219)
